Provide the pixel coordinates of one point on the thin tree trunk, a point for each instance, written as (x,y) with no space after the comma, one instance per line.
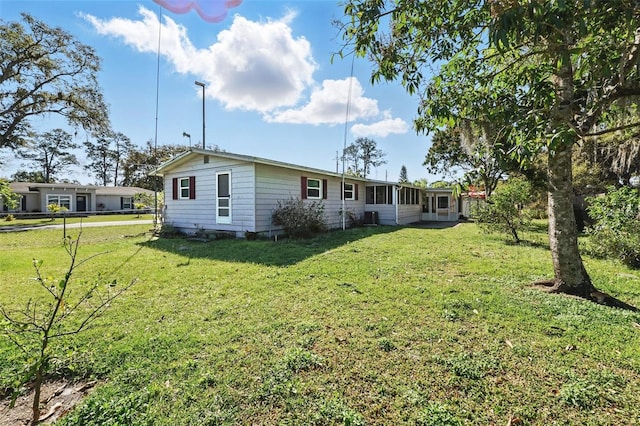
(570,274)
(37,386)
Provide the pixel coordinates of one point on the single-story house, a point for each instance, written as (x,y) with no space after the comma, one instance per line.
(222,191)
(35,197)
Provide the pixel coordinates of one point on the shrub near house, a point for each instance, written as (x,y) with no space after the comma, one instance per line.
(300,219)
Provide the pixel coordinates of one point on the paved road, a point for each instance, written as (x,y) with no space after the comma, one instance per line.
(17,228)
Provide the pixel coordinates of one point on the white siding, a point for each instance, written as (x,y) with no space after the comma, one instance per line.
(386,213)
(409,213)
(275,184)
(189,215)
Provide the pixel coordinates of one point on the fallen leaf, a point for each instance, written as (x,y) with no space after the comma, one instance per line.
(514,421)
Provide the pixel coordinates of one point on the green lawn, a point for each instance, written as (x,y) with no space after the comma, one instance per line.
(376,326)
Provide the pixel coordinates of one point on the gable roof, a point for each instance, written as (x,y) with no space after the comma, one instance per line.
(188,155)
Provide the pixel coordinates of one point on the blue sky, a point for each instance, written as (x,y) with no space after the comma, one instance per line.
(271,88)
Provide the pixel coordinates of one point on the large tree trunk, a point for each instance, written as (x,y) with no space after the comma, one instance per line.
(570,274)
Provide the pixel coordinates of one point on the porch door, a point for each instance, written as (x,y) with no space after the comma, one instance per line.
(223,197)
(81,203)
(442,207)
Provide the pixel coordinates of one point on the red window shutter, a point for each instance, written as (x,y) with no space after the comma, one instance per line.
(356,190)
(324,189)
(175,188)
(303,188)
(192,187)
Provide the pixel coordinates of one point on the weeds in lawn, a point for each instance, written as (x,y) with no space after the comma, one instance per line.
(436,414)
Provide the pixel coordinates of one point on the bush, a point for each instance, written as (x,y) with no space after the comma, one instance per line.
(300,218)
(505,210)
(616,232)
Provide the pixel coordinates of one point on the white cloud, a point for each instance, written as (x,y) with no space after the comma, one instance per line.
(328,105)
(256,66)
(381,128)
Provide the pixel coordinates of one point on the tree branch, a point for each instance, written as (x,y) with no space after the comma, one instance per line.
(611,130)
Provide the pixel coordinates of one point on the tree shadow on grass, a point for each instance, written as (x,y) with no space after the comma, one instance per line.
(281,252)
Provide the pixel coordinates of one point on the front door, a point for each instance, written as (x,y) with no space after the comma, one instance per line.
(442,207)
(81,203)
(223,198)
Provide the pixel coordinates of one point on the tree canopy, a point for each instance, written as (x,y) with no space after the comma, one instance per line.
(106,156)
(361,155)
(140,163)
(550,72)
(46,70)
(49,153)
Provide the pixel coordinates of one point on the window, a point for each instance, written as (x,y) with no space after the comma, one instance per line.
(350,191)
(184,188)
(409,196)
(223,198)
(126,203)
(64,201)
(382,194)
(314,189)
(443,202)
(370,195)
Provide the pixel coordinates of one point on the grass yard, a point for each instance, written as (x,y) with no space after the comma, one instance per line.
(375,326)
(59,220)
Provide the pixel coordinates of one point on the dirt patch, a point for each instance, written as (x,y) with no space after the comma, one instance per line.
(57,399)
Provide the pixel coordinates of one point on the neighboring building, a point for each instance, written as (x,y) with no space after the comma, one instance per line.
(35,197)
(236,193)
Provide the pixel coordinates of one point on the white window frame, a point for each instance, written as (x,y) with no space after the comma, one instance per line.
(58,200)
(347,191)
(318,188)
(223,200)
(127,204)
(182,188)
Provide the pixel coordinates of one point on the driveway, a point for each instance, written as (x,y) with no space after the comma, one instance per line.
(17,228)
